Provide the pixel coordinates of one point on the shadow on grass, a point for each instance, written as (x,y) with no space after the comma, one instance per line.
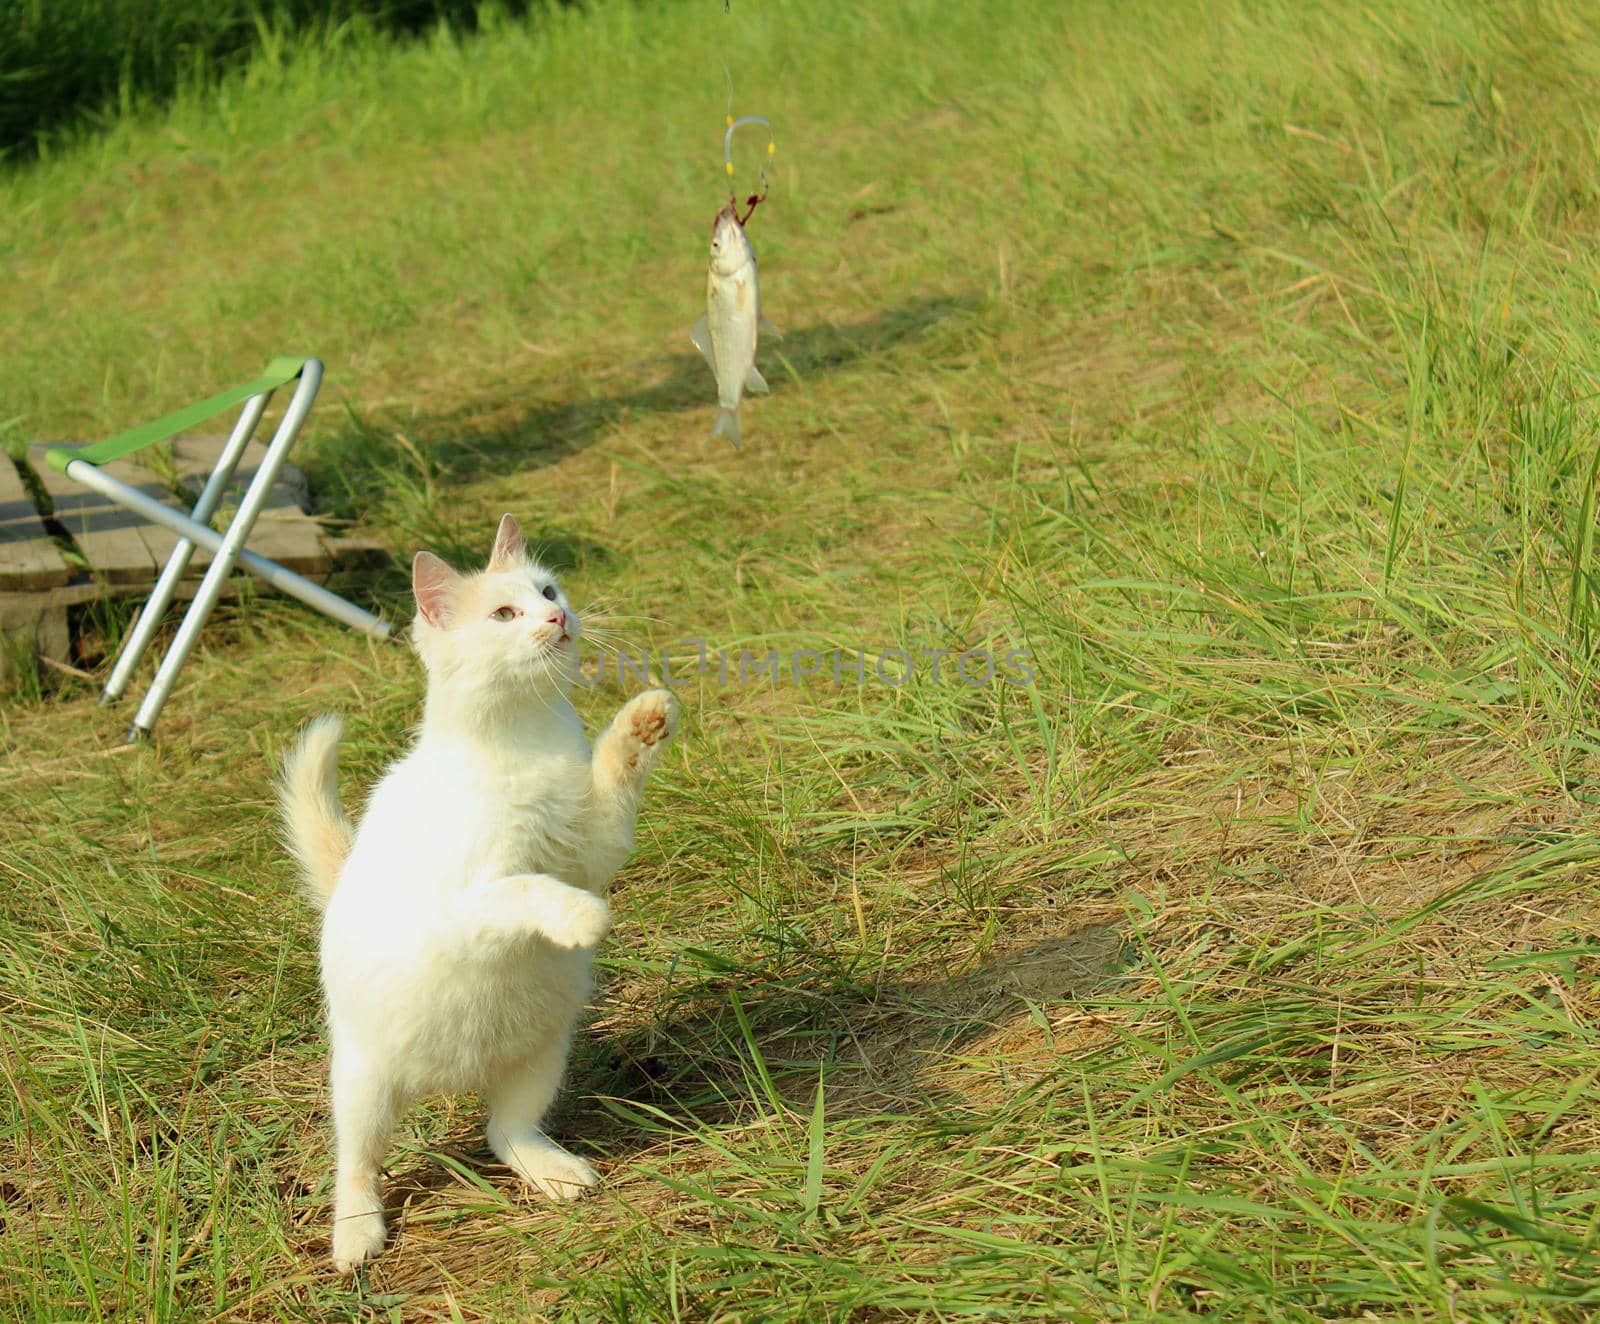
(385,461)
(877,1045)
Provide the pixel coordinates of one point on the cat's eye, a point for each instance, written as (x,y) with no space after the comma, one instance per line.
(504,613)
(550,592)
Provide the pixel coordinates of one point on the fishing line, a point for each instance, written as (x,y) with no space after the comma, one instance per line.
(757,198)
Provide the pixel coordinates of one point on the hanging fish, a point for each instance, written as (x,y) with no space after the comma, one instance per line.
(728,331)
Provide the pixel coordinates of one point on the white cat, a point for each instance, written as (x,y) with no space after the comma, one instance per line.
(461,918)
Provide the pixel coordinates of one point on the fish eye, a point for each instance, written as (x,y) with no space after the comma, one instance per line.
(504,613)
(550,592)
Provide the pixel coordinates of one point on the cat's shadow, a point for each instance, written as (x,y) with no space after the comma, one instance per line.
(363,459)
(880,1050)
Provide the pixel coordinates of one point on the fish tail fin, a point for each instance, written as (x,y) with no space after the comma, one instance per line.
(727,425)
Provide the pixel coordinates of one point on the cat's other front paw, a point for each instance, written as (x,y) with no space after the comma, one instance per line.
(585,920)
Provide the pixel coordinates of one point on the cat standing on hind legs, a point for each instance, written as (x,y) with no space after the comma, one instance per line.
(461,918)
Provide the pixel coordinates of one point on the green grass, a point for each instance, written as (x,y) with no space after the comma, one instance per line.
(71,63)
(1238,361)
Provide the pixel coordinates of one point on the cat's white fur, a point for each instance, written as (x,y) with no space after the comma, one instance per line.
(462,916)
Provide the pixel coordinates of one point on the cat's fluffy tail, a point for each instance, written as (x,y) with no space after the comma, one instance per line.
(317,830)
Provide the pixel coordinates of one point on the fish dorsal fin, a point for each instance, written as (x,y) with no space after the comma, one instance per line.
(755,383)
(700,333)
(768,330)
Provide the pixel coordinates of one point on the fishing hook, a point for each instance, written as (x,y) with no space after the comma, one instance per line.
(755,199)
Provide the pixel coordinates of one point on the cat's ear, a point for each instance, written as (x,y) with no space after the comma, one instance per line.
(435,585)
(509,548)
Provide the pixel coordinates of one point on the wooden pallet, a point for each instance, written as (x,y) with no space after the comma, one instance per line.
(121,554)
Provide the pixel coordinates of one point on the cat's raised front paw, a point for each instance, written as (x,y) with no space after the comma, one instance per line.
(628,747)
(651,717)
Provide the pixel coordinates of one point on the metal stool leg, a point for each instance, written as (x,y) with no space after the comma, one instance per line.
(203,535)
(222,563)
(232,543)
(144,629)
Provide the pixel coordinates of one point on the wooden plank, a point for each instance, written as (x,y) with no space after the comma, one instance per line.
(108,535)
(41,617)
(28,555)
(196,457)
(126,550)
(283,532)
(161,542)
(293,540)
(357,552)
(15,607)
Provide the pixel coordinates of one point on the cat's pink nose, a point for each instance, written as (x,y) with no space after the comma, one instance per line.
(558,618)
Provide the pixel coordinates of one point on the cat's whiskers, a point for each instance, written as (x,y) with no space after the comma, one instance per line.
(609,617)
(604,651)
(601,639)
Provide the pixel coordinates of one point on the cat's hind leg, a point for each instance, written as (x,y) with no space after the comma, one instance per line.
(518,1102)
(364,1113)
